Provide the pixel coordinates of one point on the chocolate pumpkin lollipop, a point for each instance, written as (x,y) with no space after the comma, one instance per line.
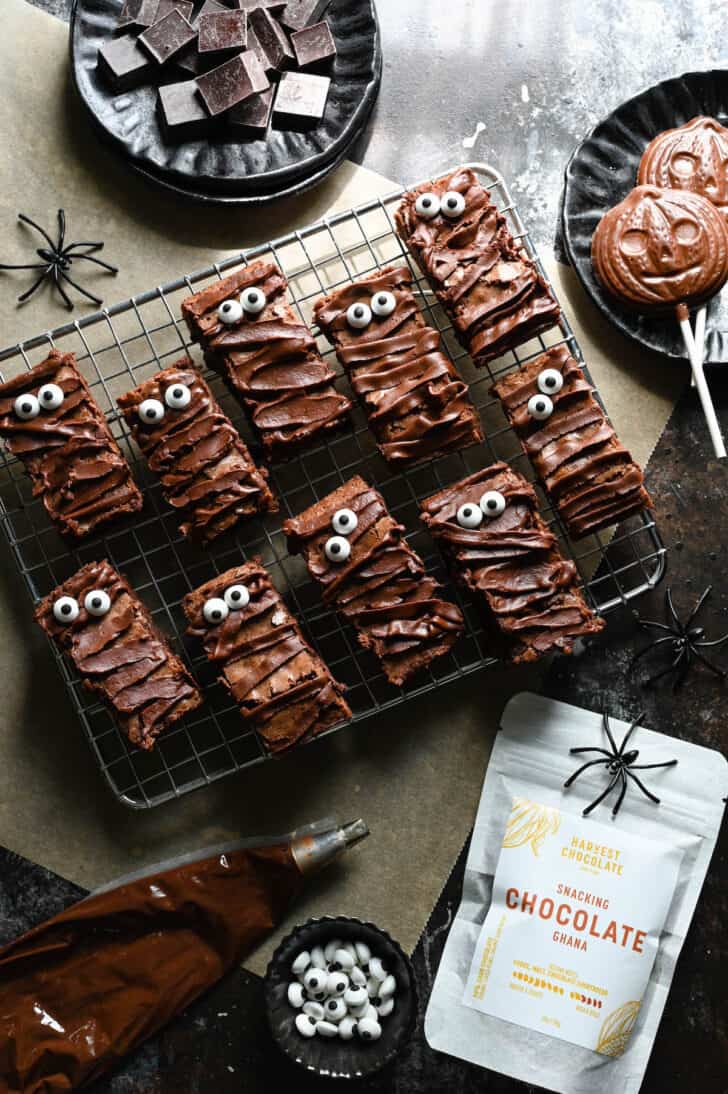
(692,157)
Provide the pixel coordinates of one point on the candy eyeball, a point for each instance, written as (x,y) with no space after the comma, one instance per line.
(452,204)
(66,609)
(427,206)
(50,396)
(315,980)
(368,1029)
(540,407)
(229,312)
(151,411)
(383,304)
(344,522)
(215,610)
(26,407)
(550,381)
(359,316)
(97,602)
(306,1025)
(337,549)
(252,301)
(492,503)
(335,1009)
(469,515)
(178,396)
(237,597)
(295,995)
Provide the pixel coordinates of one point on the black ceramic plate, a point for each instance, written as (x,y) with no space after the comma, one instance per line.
(220,169)
(603,170)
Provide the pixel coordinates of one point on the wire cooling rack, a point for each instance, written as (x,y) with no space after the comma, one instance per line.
(120,346)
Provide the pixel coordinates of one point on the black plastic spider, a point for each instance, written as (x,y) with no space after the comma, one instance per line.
(56,261)
(620,765)
(686,642)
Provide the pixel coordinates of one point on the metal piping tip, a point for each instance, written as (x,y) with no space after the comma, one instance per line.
(313,851)
(355,831)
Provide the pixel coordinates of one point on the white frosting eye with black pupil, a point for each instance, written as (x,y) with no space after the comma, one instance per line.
(492,503)
(469,515)
(344,522)
(237,597)
(178,396)
(452,204)
(427,206)
(383,304)
(215,610)
(252,301)
(97,602)
(50,396)
(337,549)
(359,316)
(66,609)
(230,311)
(540,407)
(26,407)
(151,411)
(550,381)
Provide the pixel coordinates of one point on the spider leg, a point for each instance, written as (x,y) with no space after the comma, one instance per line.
(709,665)
(652,623)
(34,287)
(651,767)
(603,795)
(682,670)
(29,266)
(42,231)
(98,261)
(653,645)
(61,230)
(671,609)
(84,292)
(94,245)
(57,282)
(630,731)
(715,642)
(607,730)
(622,792)
(583,767)
(701,600)
(643,788)
(577,751)
(670,668)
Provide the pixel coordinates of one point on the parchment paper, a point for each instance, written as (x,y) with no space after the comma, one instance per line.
(414,775)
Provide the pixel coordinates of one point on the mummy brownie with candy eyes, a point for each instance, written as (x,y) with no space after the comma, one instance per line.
(502,550)
(491,289)
(268,357)
(375,580)
(206,471)
(590,477)
(417,405)
(283,689)
(50,420)
(96,619)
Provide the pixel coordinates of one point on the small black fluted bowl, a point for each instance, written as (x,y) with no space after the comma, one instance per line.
(334,1058)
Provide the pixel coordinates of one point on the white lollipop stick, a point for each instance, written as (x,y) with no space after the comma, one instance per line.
(695,354)
(699,336)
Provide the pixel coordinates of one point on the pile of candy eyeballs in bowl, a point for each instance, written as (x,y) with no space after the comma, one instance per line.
(341,990)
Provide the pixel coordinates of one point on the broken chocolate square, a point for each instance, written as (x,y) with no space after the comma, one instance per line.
(167,37)
(298,14)
(273,40)
(313,46)
(231,82)
(252,117)
(182,112)
(184,7)
(222,32)
(301,99)
(123,64)
(137,13)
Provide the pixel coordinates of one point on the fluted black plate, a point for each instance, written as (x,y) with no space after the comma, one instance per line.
(232,171)
(603,170)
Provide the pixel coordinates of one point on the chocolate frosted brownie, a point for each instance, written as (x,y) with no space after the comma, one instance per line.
(100,623)
(417,405)
(251,335)
(357,553)
(500,548)
(591,477)
(50,421)
(282,687)
(205,469)
(489,286)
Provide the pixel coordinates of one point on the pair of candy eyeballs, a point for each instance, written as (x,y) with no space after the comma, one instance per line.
(549,382)
(337,548)
(451,205)
(49,397)
(218,608)
(67,609)
(177,397)
(491,505)
(251,302)
(360,315)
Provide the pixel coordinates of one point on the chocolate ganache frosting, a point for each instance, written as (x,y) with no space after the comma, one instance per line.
(500,548)
(417,405)
(693,157)
(588,474)
(282,687)
(492,290)
(206,471)
(50,420)
(374,579)
(99,622)
(661,248)
(268,356)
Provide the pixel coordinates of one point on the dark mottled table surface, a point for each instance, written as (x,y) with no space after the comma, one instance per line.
(538,75)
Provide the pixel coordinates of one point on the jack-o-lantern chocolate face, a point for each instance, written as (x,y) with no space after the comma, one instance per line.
(693,157)
(659,248)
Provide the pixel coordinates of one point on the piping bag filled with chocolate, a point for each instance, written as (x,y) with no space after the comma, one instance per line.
(83,989)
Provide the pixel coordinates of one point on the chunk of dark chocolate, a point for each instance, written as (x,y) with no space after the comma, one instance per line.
(222,32)
(298,14)
(301,99)
(184,7)
(251,117)
(313,46)
(231,82)
(190,60)
(273,40)
(182,112)
(167,37)
(250,5)
(123,63)
(137,13)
